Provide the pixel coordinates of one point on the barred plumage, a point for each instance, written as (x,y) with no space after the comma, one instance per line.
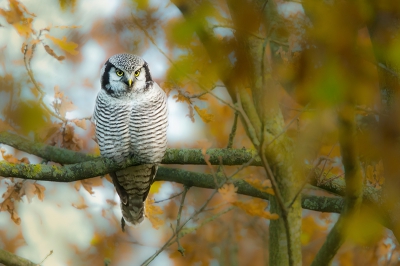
(131,120)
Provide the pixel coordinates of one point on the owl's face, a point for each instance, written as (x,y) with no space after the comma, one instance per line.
(124,74)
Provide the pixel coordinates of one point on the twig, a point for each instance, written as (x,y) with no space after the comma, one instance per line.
(233,131)
(147,262)
(309,175)
(173,196)
(28,68)
(48,255)
(235,29)
(251,129)
(178,220)
(287,126)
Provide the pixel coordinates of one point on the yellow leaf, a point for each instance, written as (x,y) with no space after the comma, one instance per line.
(29,116)
(151,212)
(69,47)
(206,117)
(155,187)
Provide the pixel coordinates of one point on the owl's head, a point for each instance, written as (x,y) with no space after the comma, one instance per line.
(123,74)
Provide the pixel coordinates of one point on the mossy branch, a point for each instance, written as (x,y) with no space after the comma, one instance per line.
(172,156)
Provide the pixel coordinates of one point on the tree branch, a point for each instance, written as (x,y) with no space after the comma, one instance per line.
(172,156)
(92,166)
(10,259)
(354,187)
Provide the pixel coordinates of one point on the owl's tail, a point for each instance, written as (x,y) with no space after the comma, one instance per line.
(133,186)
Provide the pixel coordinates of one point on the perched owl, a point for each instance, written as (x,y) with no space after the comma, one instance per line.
(130,116)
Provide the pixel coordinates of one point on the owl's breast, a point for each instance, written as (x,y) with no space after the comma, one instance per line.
(148,126)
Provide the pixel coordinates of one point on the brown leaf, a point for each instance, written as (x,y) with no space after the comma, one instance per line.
(111,202)
(87,185)
(39,191)
(52,53)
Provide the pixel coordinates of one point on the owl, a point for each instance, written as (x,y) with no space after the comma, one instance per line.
(130,118)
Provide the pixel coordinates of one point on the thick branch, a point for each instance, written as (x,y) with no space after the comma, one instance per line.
(10,259)
(172,156)
(100,166)
(96,167)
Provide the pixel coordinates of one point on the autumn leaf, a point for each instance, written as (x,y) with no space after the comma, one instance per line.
(52,53)
(80,123)
(61,102)
(228,192)
(155,187)
(11,159)
(28,189)
(191,113)
(256,207)
(16,18)
(79,206)
(29,116)
(262,185)
(69,47)
(206,117)
(11,196)
(39,191)
(151,212)
(180,97)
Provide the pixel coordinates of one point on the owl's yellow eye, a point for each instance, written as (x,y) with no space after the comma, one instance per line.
(137,72)
(119,72)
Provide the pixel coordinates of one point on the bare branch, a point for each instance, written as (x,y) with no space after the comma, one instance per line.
(10,259)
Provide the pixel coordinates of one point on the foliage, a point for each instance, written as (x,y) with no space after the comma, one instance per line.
(310,87)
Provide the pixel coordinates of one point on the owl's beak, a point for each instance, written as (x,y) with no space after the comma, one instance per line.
(130,82)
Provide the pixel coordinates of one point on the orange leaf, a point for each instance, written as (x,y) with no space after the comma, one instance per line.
(262,185)
(77,185)
(206,117)
(181,98)
(151,212)
(69,47)
(79,206)
(256,207)
(228,192)
(80,123)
